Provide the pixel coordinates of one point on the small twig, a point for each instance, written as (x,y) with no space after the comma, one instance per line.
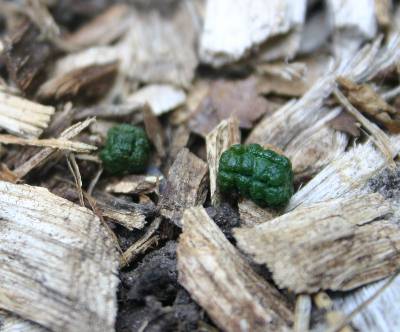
(302,313)
(74,168)
(363,305)
(147,240)
(95,180)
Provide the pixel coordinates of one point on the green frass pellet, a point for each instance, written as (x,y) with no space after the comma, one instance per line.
(262,175)
(127,150)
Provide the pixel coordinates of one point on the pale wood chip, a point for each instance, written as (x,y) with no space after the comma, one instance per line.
(345,175)
(218,140)
(70,283)
(250,22)
(163,47)
(186,186)
(161,98)
(251,214)
(135,184)
(316,147)
(222,281)
(22,117)
(353,22)
(323,246)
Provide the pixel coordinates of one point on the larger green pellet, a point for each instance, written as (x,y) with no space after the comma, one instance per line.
(262,175)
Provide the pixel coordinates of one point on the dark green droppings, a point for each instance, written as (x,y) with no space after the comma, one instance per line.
(127,150)
(264,176)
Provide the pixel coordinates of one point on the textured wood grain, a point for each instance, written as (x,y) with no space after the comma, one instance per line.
(218,140)
(223,283)
(58,265)
(338,244)
(22,117)
(344,175)
(186,186)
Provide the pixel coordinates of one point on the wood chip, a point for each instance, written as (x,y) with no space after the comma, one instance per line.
(223,283)
(293,79)
(55,143)
(161,98)
(251,214)
(27,56)
(322,246)
(353,24)
(245,24)
(90,82)
(22,117)
(380,315)
(220,139)
(34,230)
(345,175)
(315,147)
(135,184)
(290,120)
(127,214)
(154,130)
(103,29)
(162,47)
(186,186)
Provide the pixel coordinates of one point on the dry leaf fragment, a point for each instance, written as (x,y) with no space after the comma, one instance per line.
(91,82)
(226,99)
(323,246)
(161,98)
(346,123)
(222,281)
(70,283)
(186,186)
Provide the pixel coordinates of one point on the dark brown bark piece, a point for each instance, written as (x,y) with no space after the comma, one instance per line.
(186,186)
(87,83)
(27,56)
